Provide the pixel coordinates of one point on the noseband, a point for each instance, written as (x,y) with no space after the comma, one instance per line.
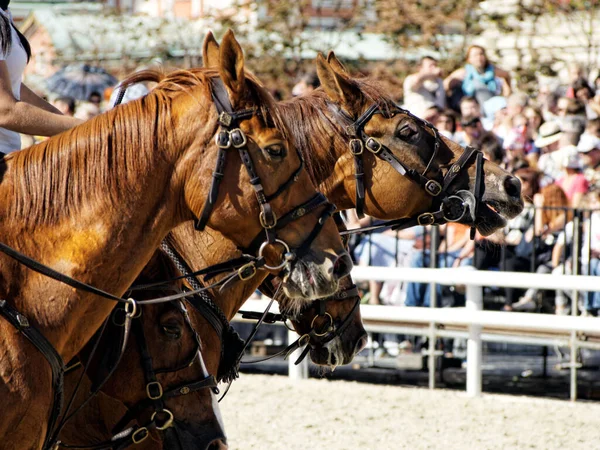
(451,207)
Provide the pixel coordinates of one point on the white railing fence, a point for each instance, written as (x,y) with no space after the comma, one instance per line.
(477,325)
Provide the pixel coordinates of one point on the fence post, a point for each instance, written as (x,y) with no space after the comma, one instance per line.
(300,371)
(474,302)
(435,241)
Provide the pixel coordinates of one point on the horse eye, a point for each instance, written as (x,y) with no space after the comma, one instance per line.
(276,150)
(172,331)
(407,131)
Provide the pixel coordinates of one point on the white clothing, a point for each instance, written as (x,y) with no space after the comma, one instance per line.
(431,93)
(16,60)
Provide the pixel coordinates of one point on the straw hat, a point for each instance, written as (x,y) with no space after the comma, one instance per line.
(549,133)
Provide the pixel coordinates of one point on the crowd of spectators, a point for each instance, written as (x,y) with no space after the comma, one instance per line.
(550,141)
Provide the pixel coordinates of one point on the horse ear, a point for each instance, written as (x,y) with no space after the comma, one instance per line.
(337,87)
(336,64)
(210,51)
(231,66)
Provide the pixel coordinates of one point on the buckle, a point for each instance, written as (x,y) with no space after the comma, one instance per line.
(237,138)
(158,393)
(356,147)
(225,119)
(247,271)
(377,147)
(433,188)
(135,437)
(223,140)
(263,221)
(167,422)
(426,219)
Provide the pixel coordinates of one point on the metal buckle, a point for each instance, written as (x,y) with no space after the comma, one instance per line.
(134,437)
(426,219)
(264,223)
(356,147)
(218,139)
(167,423)
(329,328)
(225,118)
(433,188)
(243,272)
(158,386)
(376,149)
(233,134)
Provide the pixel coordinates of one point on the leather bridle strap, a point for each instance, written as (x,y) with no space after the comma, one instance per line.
(21,323)
(360,141)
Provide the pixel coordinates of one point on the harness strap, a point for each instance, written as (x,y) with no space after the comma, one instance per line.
(21,323)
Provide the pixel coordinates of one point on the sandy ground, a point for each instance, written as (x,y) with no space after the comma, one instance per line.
(273,413)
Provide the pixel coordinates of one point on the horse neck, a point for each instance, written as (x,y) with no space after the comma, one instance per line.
(104,241)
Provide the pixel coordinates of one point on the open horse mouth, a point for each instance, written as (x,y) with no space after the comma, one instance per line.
(493,214)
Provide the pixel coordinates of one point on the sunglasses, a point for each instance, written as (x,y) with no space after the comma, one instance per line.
(470,123)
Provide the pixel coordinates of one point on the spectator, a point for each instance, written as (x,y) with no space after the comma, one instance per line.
(479,78)
(556,143)
(23,111)
(535,120)
(66,105)
(586,95)
(380,249)
(492,149)
(589,149)
(96,99)
(431,114)
(446,123)
(519,143)
(472,133)
(425,87)
(552,215)
(562,259)
(307,83)
(455,251)
(573,182)
(86,111)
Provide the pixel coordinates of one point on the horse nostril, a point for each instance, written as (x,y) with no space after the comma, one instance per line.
(217,444)
(362,343)
(342,266)
(512,186)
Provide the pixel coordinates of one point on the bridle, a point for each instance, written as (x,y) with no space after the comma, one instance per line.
(161,418)
(231,136)
(447,206)
(156,395)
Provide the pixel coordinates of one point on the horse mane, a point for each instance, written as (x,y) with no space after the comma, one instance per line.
(311,122)
(103,157)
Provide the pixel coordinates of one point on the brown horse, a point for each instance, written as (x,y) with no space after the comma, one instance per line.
(95,202)
(162,357)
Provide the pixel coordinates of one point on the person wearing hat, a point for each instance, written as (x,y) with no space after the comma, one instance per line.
(555,144)
(589,149)
(573,182)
